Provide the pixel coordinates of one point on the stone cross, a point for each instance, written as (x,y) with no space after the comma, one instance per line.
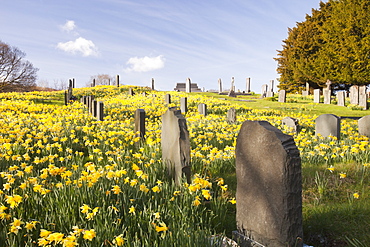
(328,84)
(188,85)
(269,186)
(248,85)
(175,144)
(328,125)
(140,122)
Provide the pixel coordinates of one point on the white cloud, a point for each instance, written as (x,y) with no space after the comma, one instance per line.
(144,64)
(79,46)
(69,26)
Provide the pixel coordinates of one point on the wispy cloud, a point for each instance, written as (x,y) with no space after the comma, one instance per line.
(79,46)
(145,64)
(69,26)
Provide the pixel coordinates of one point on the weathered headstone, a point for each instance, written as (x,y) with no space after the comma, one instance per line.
(140,122)
(364,126)
(175,144)
(131,92)
(328,125)
(264,90)
(327,96)
(282,96)
(271,86)
(308,88)
(231,115)
(184,105)
(362,99)
(94,108)
(100,111)
(117,80)
(341,99)
(291,123)
(316,95)
(269,94)
(305,93)
(188,85)
(153,84)
(248,85)
(219,85)
(202,109)
(269,186)
(167,99)
(354,95)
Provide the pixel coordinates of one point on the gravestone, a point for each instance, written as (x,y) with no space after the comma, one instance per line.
(328,124)
(354,95)
(131,92)
(100,111)
(362,99)
(248,85)
(327,96)
(152,83)
(202,109)
(341,98)
(175,144)
(305,93)
(167,99)
(94,108)
(308,88)
(291,123)
(117,80)
(316,95)
(269,186)
(271,86)
(269,94)
(184,105)
(264,90)
(231,115)
(232,88)
(232,94)
(364,126)
(140,122)
(188,85)
(219,85)
(83,99)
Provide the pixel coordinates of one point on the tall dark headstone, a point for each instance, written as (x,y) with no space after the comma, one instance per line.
(153,84)
(175,144)
(248,85)
(100,111)
(117,80)
(140,122)
(328,125)
(269,186)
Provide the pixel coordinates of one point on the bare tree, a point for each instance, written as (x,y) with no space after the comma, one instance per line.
(14,70)
(101,79)
(60,84)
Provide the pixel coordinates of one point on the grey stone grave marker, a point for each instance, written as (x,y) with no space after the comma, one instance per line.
(94,108)
(184,105)
(354,95)
(364,126)
(167,99)
(100,111)
(131,92)
(175,144)
(248,85)
(264,90)
(271,86)
(362,99)
(327,96)
(117,80)
(291,123)
(153,84)
(341,99)
(269,186)
(316,95)
(188,85)
(231,115)
(219,85)
(328,124)
(140,122)
(202,109)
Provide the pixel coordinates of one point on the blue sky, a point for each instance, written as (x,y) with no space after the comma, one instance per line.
(168,40)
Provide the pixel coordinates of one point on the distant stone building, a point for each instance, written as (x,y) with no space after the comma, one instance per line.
(181,87)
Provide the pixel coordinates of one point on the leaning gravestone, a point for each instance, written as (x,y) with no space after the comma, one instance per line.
(341,99)
(364,126)
(291,123)
(175,144)
(231,115)
(316,95)
(269,186)
(140,122)
(282,96)
(328,125)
